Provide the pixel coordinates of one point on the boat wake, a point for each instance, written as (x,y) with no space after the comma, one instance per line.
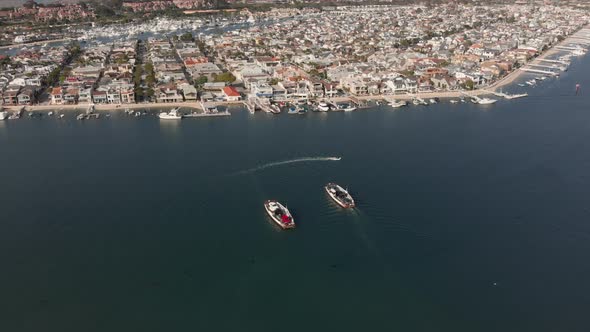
(285,162)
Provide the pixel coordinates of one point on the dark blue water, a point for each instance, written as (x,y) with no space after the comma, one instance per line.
(469,218)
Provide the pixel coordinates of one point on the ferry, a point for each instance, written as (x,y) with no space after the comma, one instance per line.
(339,195)
(279,214)
(172,115)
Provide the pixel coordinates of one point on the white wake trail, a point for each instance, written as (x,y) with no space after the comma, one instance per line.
(285,162)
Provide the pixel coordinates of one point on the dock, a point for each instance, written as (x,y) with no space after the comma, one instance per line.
(554,61)
(538,71)
(507,96)
(255,103)
(568,48)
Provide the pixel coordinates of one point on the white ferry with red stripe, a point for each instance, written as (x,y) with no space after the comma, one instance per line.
(280,214)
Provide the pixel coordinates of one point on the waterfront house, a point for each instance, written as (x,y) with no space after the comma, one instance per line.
(26,96)
(231,94)
(99,97)
(57,96)
(70,96)
(168,94)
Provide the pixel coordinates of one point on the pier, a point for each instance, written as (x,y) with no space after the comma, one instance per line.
(546,67)
(568,48)
(538,71)
(554,61)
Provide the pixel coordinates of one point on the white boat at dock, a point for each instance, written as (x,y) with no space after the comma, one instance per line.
(323,106)
(397,103)
(174,114)
(207,114)
(485,101)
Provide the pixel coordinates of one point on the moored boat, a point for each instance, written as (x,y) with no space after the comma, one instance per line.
(172,115)
(279,214)
(397,103)
(323,106)
(340,195)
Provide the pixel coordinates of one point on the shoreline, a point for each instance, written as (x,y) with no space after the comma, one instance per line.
(485,90)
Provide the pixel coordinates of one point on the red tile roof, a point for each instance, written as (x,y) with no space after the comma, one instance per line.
(230,91)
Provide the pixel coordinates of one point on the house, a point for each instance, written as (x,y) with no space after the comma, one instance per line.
(127,96)
(99,97)
(207,69)
(85,95)
(70,96)
(231,94)
(188,91)
(26,96)
(57,96)
(262,90)
(113,96)
(168,94)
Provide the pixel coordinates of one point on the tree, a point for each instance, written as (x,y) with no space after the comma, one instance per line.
(468,85)
(150,75)
(187,37)
(149,93)
(226,77)
(201,80)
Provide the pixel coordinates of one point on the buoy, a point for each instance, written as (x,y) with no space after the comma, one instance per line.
(577,88)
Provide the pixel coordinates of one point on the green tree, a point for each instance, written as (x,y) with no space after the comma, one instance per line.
(201,80)
(468,85)
(150,75)
(226,77)
(187,37)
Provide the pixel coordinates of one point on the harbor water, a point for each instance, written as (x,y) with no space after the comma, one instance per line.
(468,218)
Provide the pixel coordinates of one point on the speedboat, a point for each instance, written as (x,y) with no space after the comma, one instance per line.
(279,214)
(174,114)
(3,115)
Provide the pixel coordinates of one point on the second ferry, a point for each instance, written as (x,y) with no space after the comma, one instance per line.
(279,214)
(340,195)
